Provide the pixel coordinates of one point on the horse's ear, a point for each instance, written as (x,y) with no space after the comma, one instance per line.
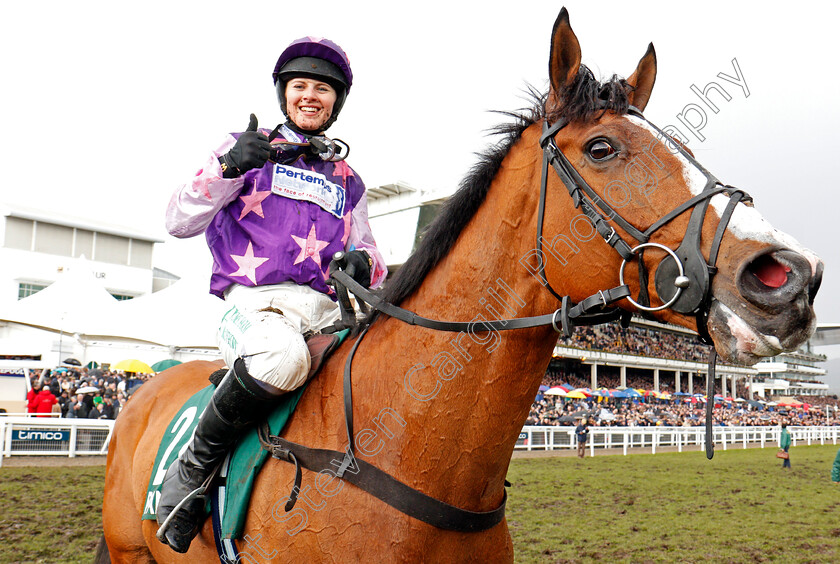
(642,79)
(564,59)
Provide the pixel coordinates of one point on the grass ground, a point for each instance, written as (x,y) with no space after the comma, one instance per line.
(674,507)
(678,507)
(50,515)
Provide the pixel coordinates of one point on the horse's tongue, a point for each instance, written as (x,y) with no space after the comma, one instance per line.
(771,273)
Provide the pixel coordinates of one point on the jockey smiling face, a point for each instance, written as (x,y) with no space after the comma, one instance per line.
(309,103)
(312,81)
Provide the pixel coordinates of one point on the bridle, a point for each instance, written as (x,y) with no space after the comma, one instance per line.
(683,278)
(684,273)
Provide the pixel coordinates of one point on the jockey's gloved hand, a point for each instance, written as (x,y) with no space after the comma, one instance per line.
(252,150)
(357,265)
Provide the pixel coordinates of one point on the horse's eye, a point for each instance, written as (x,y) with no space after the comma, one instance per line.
(601,150)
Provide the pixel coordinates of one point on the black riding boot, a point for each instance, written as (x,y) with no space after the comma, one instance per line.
(237,403)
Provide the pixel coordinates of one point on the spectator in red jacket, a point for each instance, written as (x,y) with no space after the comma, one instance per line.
(44,402)
(31,397)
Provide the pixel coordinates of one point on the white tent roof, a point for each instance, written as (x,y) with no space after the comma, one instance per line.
(70,304)
(183,315)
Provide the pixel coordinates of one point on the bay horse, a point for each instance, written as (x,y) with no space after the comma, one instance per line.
(441,411)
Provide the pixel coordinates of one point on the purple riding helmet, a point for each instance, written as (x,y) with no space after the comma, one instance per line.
(314,57)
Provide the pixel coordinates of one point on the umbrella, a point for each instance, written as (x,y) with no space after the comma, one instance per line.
(92,364)
(632,393)
(606,415)
(543,387)
(621,394)
(96,373)
(132,365)
(87,390)
(557,391)
(162,365)
(72,362)
(755,404)
(575,394)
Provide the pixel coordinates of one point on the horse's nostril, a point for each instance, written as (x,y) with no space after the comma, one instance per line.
(775,280)
(769,272)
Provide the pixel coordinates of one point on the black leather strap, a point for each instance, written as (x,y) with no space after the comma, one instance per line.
(579,314)
(393,492)
(710,404)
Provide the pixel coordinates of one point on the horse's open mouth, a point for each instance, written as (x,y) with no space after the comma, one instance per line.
(740,342)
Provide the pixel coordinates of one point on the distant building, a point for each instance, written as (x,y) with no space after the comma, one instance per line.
(399,214)
(36,246)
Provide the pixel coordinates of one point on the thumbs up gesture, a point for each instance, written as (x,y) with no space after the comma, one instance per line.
(251,150)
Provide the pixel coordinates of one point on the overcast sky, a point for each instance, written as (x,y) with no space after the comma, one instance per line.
(108,106)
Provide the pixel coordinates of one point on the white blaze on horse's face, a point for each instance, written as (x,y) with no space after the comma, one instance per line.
(746,221)
(747,334)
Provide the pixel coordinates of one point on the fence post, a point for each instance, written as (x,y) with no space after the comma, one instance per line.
(74,438)
(8,445)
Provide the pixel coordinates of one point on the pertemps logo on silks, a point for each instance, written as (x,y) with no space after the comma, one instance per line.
(310,186)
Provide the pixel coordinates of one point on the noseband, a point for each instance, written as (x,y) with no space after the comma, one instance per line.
(683,278)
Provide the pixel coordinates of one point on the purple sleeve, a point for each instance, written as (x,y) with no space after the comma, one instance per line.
(194,204)
(361,237)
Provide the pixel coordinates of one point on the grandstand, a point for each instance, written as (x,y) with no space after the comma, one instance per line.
(666,366)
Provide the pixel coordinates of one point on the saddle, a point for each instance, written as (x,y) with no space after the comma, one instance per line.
(320,345)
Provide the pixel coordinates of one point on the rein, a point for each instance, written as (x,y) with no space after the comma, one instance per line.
(684,272)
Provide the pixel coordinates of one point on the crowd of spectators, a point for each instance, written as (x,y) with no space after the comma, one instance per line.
(80,393)
(637,340)
(642,412)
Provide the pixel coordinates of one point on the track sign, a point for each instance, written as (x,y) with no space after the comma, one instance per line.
(50,435)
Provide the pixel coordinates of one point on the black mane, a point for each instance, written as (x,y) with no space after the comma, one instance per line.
(583,98)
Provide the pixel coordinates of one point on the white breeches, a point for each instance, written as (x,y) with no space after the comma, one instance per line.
(271,341)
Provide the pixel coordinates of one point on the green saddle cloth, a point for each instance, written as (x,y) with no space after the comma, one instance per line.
(246,460)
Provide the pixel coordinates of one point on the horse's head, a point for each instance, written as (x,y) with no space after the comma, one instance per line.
(709,258)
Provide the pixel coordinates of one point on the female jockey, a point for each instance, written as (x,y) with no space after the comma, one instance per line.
(273,215)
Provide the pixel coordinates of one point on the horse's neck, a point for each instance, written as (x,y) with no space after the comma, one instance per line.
(464,396)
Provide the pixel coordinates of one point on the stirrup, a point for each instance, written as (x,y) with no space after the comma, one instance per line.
(198,493)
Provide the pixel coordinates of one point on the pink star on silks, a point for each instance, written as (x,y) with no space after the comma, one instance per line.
(253,203)
(310,247)
(248,263)
(203,186)
(341,169)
